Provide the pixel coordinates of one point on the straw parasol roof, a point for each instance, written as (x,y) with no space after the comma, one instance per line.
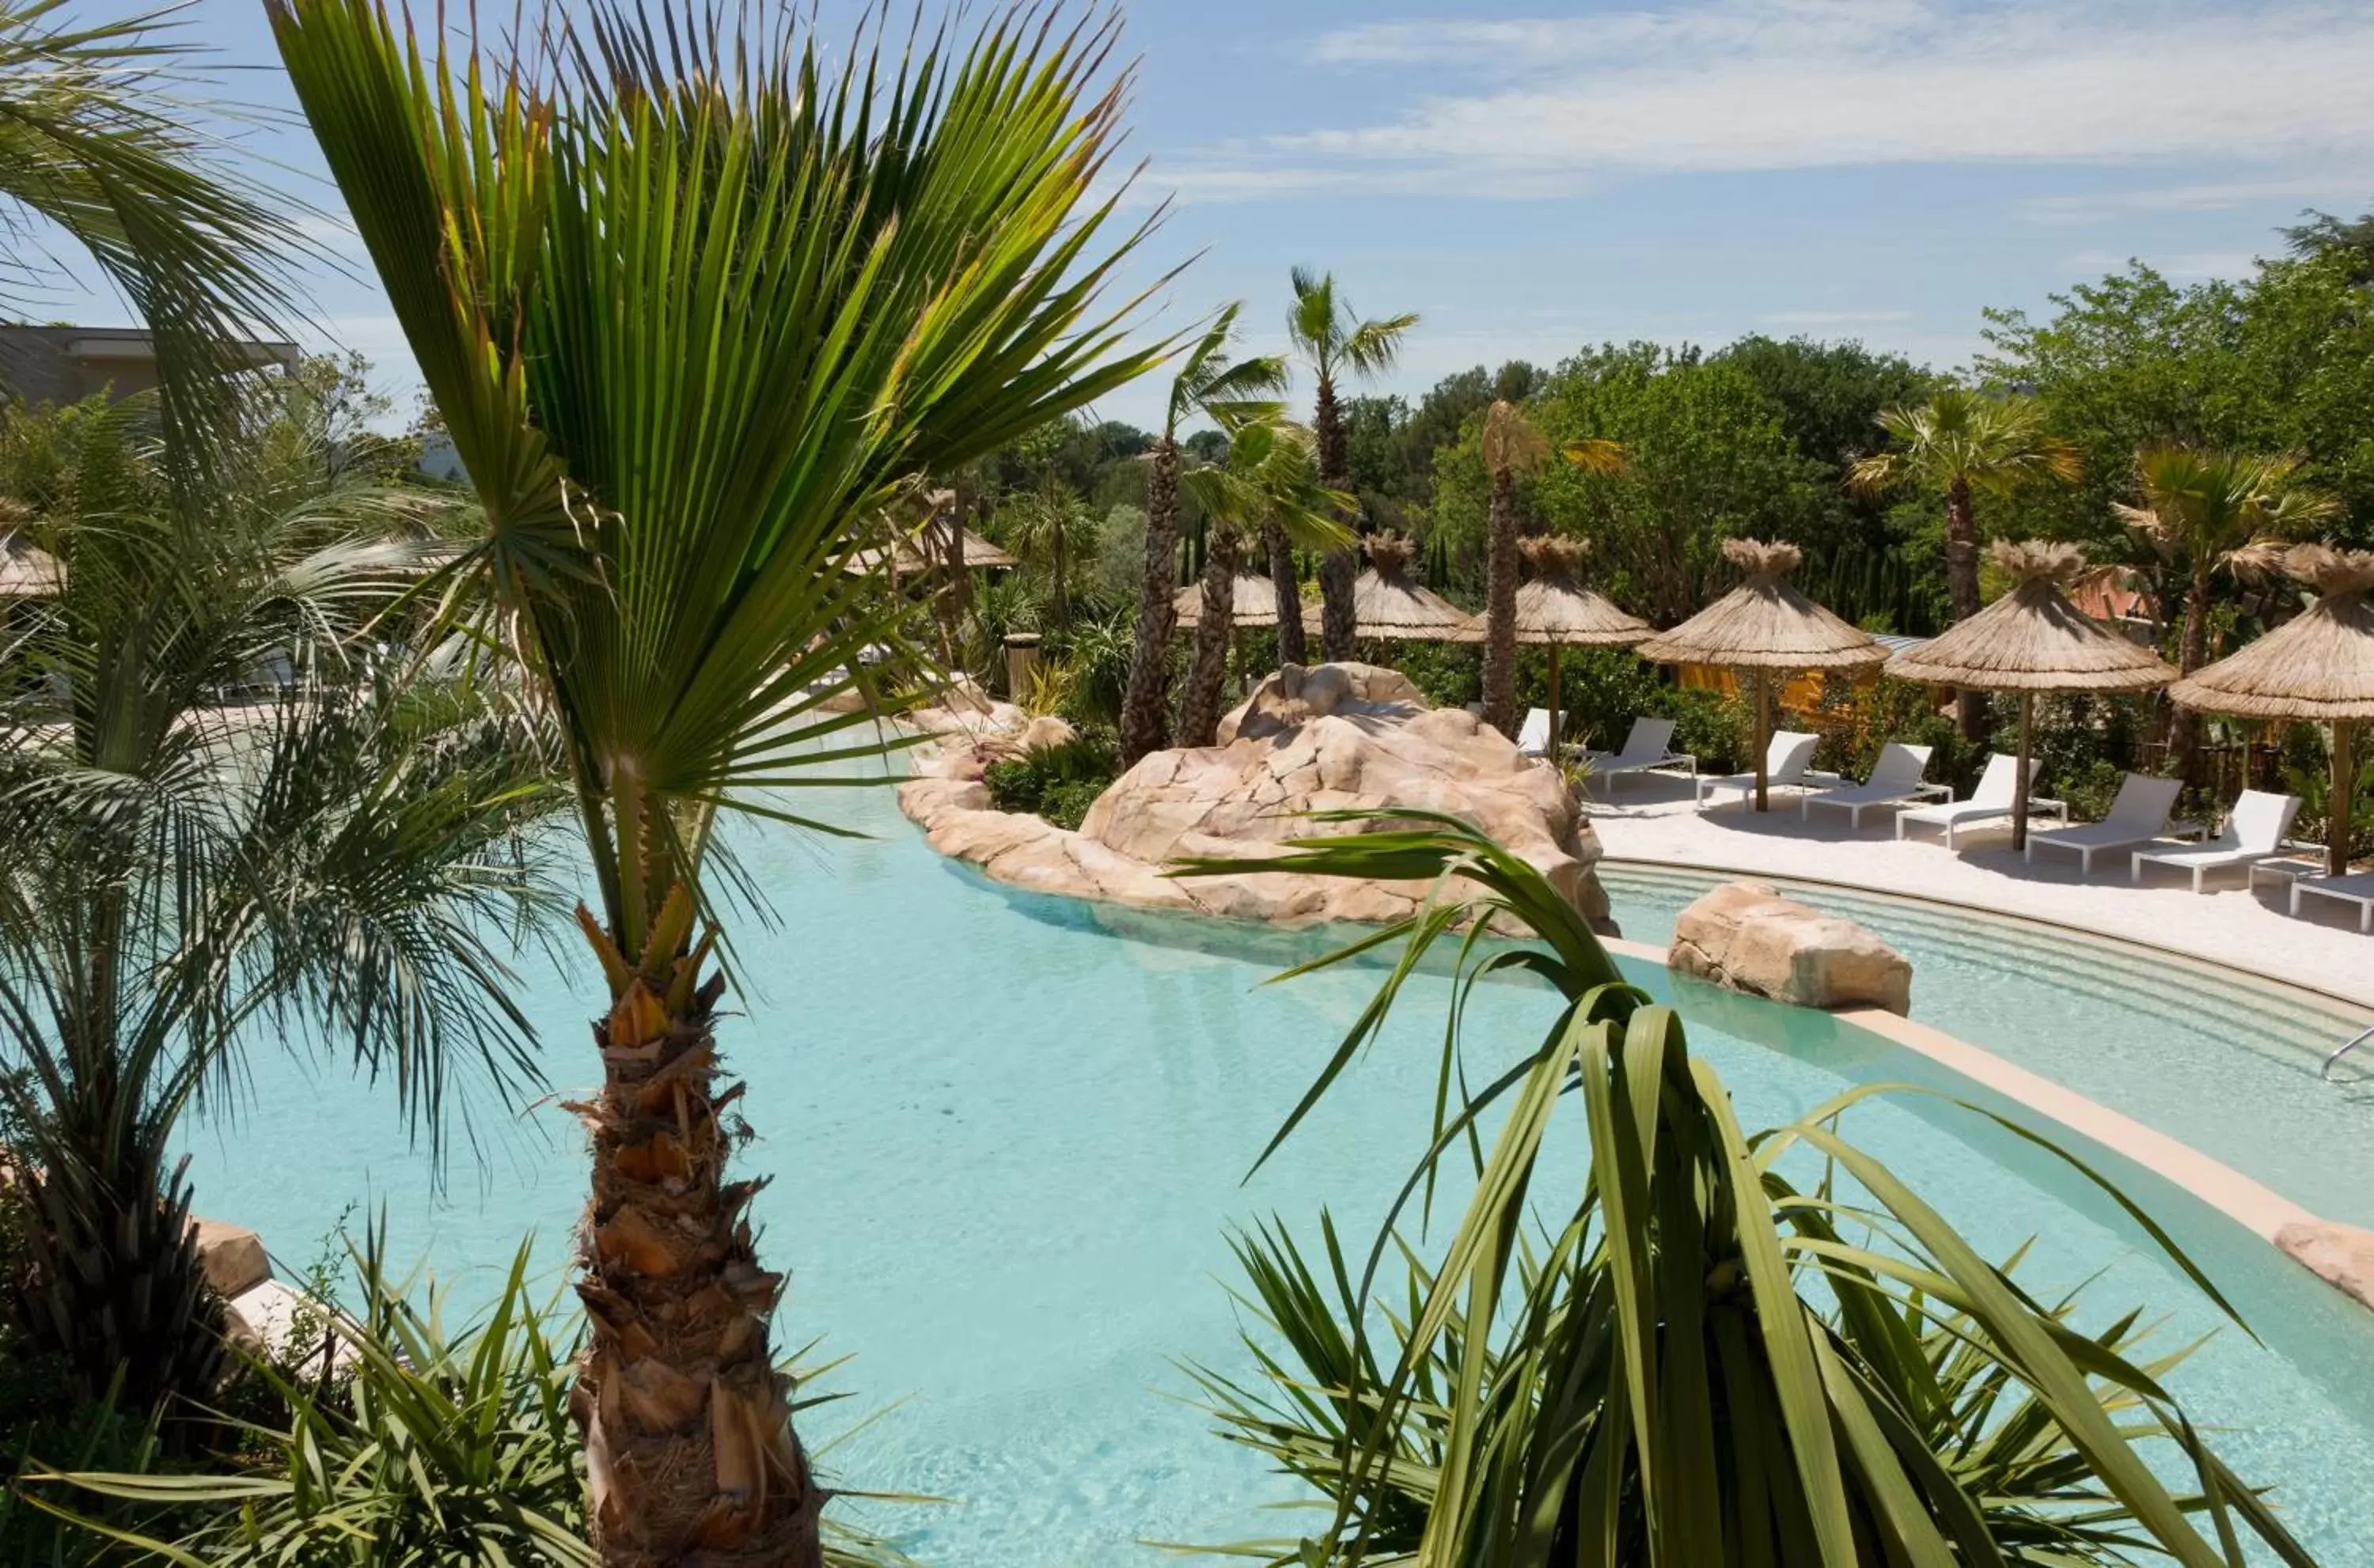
(2317,666)
(1386,604)
(1556,609)
(2033,639)
(1765,623)
(1256,603)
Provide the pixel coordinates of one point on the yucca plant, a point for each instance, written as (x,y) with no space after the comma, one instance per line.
(696,307)
(1702,1361)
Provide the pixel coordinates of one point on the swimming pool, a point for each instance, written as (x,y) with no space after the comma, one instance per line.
(1005,1140)
(2222,1060)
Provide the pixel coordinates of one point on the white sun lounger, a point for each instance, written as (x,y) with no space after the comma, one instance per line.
(2254,833)
(1651,745)
(1990,801)
(1784,766)
(1895,782)
(2358,890)
(1534,734)
(2138,815)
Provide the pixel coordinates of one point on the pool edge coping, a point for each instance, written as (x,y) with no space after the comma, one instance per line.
(2246,1201)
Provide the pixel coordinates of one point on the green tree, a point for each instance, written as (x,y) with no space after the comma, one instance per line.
(1512,446)
(1964,443)
(694,312)
(2204,513)
(100,136)
(1269,485)
(332,860)
(1231,394)
(1333,344)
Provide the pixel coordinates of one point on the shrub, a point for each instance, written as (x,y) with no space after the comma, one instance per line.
(1059,783)
(1718,730)
(1450,674)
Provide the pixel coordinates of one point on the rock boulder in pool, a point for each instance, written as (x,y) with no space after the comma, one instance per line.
(2343,1256)
(1746,936)
(1332,736)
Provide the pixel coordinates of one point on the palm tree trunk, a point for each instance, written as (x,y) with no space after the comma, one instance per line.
(1500,609)
(2192,651)
(1199,705)
(688,1442)
(1338,569)
(1292,647)
(1962,589)
(1144,708)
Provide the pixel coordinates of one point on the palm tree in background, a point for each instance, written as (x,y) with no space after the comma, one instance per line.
(694,313)
(100,136)
(333,862)
(1335,344)
(1231,393)
(1964,443)
(1513,447)
(2204,512)
(1269,485)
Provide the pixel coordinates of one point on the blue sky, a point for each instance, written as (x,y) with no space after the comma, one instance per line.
(1532,179)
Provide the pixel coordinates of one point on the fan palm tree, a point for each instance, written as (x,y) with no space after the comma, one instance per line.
(1703,1361)
(334,862)
(1964,443)
(1270,483)
(693,312)
(100,136)
(2204,512)
(1335,344)
(1231,393)
(1512,446)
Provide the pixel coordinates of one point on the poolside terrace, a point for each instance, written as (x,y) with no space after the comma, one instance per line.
(1653,817)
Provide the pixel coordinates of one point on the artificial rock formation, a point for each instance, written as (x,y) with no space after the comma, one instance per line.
(1329,737)
(2341,1256)
(1746,936)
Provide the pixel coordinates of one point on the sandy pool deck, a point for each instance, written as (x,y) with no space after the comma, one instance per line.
(1652,818)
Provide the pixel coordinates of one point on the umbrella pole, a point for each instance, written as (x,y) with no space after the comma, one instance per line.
(1557,716)
(1763,737)
(2341,797)
(2020,775)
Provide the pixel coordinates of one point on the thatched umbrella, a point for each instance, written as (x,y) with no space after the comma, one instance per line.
(1256,603)
(2318,666)
(1762,626)
(1386,604)
(1555,610)
(2032,639)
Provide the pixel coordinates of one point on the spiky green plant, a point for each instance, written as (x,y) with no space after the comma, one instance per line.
(1702,1361)
(695,311)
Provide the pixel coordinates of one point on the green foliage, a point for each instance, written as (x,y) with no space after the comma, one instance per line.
(1450,674)
(1732,1348)
(1855,721)
(2082,745)
(2307,763)
(1059,783)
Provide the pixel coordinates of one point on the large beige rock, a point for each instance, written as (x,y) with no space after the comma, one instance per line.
(2341,1256)
(231,1256)
(1342,736)
(1746,936)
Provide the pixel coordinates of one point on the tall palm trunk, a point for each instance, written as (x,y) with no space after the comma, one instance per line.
(1500,608)
(2192,652)
(1962,588)
(689,1449)
(1338,569)
(1144,708)
(1293,648)
(1199,705)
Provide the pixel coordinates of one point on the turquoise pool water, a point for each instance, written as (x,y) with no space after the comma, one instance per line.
(1005,1141)
(2223,1060)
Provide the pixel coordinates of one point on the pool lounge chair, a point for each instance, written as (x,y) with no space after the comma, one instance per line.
(1785,768)
(2138,815)
(2358,890)
(2254,832)
(1651,745)
(1534,734)
(1990,801)
(1895,782)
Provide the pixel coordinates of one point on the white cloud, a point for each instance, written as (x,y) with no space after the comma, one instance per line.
(2106,205)
(1756,84)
